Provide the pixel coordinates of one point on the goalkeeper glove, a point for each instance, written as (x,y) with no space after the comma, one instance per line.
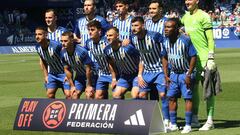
(210,63)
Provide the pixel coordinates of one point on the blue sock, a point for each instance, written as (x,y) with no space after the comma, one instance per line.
(188,118)
(173,117)
(165,108)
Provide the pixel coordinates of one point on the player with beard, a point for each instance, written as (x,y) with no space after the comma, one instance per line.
(81,31)
(51,64)
(126,59)
(152,68)
(76,57)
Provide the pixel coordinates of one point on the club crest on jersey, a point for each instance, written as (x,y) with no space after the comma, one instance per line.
(148,43)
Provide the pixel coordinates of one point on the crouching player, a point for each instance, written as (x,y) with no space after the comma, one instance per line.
(76,57)
(126,59)
(50,63)
(182,59)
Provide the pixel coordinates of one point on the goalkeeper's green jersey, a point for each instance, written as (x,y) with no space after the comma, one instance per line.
(195,25)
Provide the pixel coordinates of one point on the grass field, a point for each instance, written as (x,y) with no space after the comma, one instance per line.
(20,76)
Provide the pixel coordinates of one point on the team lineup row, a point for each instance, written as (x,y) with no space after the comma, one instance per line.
(131,53)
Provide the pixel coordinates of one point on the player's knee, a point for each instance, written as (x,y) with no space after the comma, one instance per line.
(142,95)
(76,95)
(50,95)
(134,95)
(67,95)
(117,95)
(89,95)
(99,96)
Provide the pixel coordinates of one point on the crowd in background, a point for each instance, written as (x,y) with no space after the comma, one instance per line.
(20,22)
(224,13)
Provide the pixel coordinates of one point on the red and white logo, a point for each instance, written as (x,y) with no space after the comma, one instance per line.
(54,114)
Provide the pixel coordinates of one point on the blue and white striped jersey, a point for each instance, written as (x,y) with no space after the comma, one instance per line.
(126,59)
(124,27)
(77,60)
(56,35)
(51,56)
(97,52)
(81,29)
(156,26)
(179,53)
(151,51)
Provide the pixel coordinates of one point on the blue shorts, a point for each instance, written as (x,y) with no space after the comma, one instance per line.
(57,81)
(178,86)
(80,82)
(103,82)
(154,78)
(128,81)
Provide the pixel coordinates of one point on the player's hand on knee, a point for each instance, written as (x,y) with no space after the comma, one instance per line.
(90,89)
(72,90)
(114,83)
(65,79)
(141,82)
(89,92)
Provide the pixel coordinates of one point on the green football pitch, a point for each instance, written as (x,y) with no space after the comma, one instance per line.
(20,76)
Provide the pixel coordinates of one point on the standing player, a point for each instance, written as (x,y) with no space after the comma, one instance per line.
(156,23)
(199,27)
(81,32)
(96,44)
(76,58)
(126,59)
(51,64)
(182,59)
(150,68)
(123,21)
(54,31)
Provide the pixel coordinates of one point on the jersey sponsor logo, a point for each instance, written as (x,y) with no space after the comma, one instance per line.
(54,114)
(173,56)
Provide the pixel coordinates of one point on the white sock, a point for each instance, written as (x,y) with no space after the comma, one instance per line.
(210,119)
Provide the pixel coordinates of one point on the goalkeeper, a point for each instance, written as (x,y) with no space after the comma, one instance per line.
(198,26)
